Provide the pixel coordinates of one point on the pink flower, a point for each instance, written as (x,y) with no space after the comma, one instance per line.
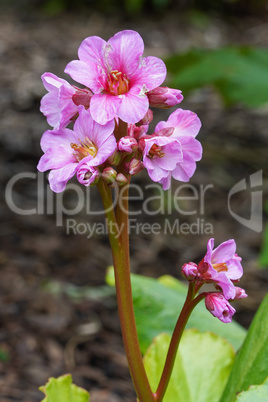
(219,307)
(186,126)
(61,102)
(222,266)
(161,156)
(164,97)
(118,75)
(66,151)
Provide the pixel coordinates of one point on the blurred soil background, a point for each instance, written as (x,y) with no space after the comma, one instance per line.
(56,313)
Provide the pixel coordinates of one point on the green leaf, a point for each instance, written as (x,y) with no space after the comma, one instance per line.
(256,393)
(263,258)
(61,389)
(189,381)
(251,363)
(157,305)
(236,72)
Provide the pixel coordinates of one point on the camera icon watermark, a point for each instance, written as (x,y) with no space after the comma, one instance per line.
(255,221)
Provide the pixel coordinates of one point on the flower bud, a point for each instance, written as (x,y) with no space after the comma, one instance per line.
(146,119)
(240,293)
(87,175)
(219,307)
(109,175)
(134,166)
(115,158)
(164,97)
(137,132)
(189,271)
(127,144)
(121,179)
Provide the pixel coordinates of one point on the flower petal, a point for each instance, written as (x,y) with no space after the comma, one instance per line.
(88,74)
(224,252)
(126,48)
(151,73)
(185,122)
(133,107)
(92,50)
(104,107)
(58,178)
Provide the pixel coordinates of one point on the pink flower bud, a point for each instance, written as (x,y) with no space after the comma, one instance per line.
(146,119)
(203,267)
(189,271)
(127,144)
(109,175)
(87,175)
(219,307)
(137,132)
(134,166)
(164,97)
(240,293)
(121,179)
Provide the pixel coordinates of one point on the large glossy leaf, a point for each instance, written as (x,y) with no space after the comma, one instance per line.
(62,390)
(201,369)
(239,73)
(256,393)
(251,363)
(157,305)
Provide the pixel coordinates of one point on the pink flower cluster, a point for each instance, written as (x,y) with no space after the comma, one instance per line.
(222,268)
(120,85)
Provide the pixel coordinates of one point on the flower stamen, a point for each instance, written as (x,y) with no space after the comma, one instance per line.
(222,267)
(155,151)
(84,149)
(117,83)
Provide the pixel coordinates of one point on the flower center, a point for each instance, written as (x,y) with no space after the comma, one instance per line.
(117,83)
(155,151)
(221,267)
(84,149)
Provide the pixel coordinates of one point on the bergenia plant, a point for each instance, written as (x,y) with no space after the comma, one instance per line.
(105,144)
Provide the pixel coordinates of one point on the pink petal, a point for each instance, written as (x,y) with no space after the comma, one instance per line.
(87,127)
(51,81)
(133,107)
(185,169)
(62,137)
(166,181)
(151,73)
(50,108)
(92,50)
(186,123)
(126,49)
(224,252)
(58,178)
(55,158)
(88,74)
(104,107)
(191,148)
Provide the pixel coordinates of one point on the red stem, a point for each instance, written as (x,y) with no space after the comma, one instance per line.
(187,309)
(120,251)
